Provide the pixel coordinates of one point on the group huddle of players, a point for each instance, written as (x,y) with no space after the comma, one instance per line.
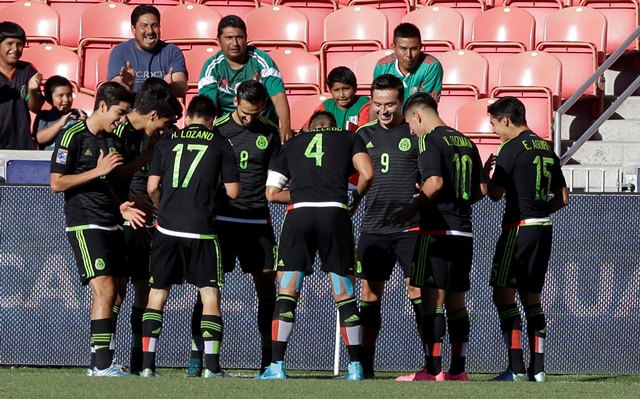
(201,194)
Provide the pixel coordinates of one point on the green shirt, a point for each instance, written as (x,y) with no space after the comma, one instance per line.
(348,118)
(219,81)
(426,76)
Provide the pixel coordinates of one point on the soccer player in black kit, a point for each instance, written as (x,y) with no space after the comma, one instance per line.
(453,180)
(183,178)
(317,163)
(86,160)
(244,224)
(155,110)
(394,154)
(526,173)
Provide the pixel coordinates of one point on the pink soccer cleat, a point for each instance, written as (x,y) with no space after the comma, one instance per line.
(422,375)
(456,377)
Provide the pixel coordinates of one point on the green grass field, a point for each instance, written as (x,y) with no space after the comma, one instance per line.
(71,383)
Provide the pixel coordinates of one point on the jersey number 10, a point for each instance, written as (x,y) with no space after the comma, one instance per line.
(201,148)
(464,165)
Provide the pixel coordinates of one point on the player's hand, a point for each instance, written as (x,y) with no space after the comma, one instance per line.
(107,163)
(144,203)
(285,134)
(128,76)
(131,214)
(169,76)
(489,164)
(404,215)
(416,195)
(35,81)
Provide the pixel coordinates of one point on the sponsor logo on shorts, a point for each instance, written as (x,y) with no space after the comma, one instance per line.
(151,280)
(262,142)
(405,144)
(206,334)
(61,156)
(99,264)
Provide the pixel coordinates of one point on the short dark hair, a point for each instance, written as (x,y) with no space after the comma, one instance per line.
(152,83)
(420,100)
(252,92)
(388,82)
(323,116)
(12,30)
(510,107)
(141,10)
(406,30)
(112,93)
(233,21)
(52,84)
(343,75)
(202,107)
(162,101)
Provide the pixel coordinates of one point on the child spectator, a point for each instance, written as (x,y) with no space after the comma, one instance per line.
(349,109)
(19,90)
(58,92)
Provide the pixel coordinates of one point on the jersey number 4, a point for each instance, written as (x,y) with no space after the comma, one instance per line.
(314,149)
(178,149)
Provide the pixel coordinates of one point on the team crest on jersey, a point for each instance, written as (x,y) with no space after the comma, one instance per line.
(262,142)
(112,149)
(61,156)
(404,144)
(99,264)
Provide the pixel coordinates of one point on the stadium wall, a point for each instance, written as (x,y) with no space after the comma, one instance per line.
(592,297)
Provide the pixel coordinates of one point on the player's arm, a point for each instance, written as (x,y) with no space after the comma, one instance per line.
(560,199)
(275,191)
(230,172)
(478,178)
(495,190)
(363,165)
(63,182)
(233,189)
(427,193)
(153,188)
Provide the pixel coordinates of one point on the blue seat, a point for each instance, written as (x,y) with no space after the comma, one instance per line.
(22,171)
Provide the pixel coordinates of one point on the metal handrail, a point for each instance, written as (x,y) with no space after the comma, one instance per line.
(557,123)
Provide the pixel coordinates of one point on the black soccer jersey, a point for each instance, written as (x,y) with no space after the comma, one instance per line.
(135,142)
(77,151)
(529,170)
(394,154)
(447,153)
(318,163)
(190,163)
(254,148)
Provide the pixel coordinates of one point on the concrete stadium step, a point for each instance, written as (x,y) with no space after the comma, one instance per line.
(628,110)
(603,153)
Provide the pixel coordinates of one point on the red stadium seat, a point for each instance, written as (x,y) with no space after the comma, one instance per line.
(302,108)
(161,5)
(363,69)
(70,13)
(472,119)
(350,32)
(465,80)
(102,27)
(84,102)
(50,59)
(316,11)
(623,17)
(499,33)
(287,28)
(441,27)
(577,36)
(99,74)
(188,25)
(300,71)
(535,77)
(540,9)
(40,22)
(195,59)
(241,8)
(395,10)
(469,9)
